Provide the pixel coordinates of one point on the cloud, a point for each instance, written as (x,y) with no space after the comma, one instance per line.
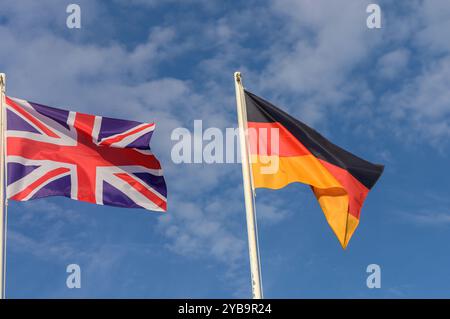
(271,211)
(416,107)
(203,228)
(155,3)
(393,63)
(320,44)
(434,17)
(422,105)
(51,221)
(421,213)
(430,218)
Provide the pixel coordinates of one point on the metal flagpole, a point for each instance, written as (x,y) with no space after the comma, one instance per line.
(252,231)
(2,183)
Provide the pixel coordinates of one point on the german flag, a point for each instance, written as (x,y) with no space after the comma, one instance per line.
(339,179)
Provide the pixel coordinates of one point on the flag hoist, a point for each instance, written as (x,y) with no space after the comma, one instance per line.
(252,229)
(3,204)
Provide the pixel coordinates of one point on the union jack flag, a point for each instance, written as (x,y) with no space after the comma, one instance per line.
(101,160)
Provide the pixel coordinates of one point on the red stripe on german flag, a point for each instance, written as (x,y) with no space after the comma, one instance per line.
(285,150)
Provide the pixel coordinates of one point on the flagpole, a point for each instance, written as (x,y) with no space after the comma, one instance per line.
(255,266)
(2,183)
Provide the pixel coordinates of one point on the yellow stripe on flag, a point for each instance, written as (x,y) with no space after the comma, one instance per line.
(307,169)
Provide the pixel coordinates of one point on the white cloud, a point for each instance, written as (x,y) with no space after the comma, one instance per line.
(322,42)
(423,105)
(393,63)
(206,227)
(271,210)
(418,105)
(428,218)
(434,17)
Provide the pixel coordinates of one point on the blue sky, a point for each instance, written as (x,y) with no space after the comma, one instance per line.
(383,94)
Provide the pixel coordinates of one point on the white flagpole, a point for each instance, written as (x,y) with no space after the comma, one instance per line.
(255,266)
(2,183)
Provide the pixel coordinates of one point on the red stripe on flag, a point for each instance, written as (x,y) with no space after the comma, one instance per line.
(263,142)
(86,171)
(356,191)
(119,138)
(143,190)
(23,194)
(30,118)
